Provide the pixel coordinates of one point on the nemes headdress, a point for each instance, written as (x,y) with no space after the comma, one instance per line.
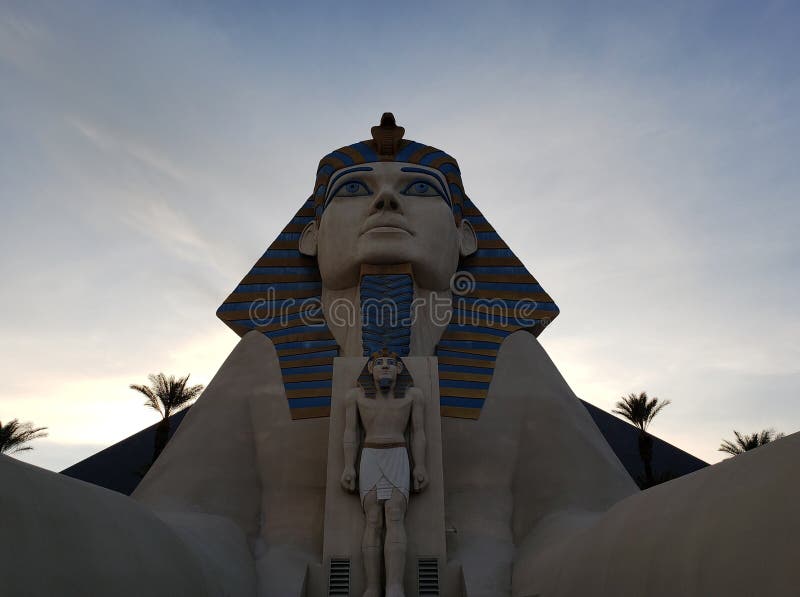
(281,295)
(387,145)
(384,353)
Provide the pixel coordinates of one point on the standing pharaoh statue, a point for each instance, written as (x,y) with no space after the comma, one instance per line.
(383,476)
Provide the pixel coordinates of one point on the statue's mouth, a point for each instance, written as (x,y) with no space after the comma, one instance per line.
(385,225)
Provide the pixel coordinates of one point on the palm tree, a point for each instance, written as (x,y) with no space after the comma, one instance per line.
(746,442)
(641,410)
(14,435)
(168,396)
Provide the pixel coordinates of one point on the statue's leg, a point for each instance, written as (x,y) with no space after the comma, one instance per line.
(372,543)
(395,549)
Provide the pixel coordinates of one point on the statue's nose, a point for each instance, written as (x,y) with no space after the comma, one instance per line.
(386,200)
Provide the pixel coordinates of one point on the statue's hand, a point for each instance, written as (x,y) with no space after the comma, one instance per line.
(349,479)
(420,478)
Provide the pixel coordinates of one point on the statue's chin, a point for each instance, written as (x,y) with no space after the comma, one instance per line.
(384,248)
(432,270)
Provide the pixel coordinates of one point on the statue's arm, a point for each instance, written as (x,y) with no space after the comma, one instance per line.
(350,439)
(418,440)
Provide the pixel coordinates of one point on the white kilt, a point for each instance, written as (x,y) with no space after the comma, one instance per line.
(384,469)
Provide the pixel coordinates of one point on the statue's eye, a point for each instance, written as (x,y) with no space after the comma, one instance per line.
(353,188)
(421,188)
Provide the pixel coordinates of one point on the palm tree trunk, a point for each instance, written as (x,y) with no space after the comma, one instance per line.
(646,453)
(162,436)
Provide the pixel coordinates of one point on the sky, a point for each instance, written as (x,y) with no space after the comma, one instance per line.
(640,159)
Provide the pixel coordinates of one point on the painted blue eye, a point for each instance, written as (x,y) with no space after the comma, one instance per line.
(352,188)
(420,188)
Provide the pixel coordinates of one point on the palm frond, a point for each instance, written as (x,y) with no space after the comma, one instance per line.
(653,407)
(168,395)
(639,409)
(745,442)
(152,399)
(14,435)
(730,448)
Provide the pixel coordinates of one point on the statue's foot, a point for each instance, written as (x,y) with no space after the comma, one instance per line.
(372,592)
(395,591)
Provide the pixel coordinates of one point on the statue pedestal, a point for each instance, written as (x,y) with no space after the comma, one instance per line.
(344,518)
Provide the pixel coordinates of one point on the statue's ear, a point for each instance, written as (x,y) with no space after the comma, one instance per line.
(308,239)
(468,240)
(370,366)
(400,366)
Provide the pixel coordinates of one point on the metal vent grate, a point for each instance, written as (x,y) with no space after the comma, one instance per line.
(339,578)
(428,576)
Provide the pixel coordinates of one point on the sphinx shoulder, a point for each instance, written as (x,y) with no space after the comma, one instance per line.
(415,394)
(353,394)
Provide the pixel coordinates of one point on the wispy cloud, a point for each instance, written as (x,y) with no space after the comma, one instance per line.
(132,149)
(20,39)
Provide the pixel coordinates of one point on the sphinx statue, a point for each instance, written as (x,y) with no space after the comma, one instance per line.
(523,496)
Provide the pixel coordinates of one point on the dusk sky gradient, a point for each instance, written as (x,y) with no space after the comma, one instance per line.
(641,159)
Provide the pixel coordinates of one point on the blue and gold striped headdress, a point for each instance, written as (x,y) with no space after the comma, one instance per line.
(500,298)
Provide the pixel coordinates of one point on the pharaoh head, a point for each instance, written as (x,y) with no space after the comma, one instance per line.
(388,201)
(384,367)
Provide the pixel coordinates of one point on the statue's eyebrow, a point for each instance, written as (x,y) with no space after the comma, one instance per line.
(442,186)
(345,172)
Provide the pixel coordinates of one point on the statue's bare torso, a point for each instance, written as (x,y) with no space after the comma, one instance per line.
(385,419)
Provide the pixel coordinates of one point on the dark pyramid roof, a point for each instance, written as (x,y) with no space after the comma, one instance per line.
(624,440)
(120,467)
